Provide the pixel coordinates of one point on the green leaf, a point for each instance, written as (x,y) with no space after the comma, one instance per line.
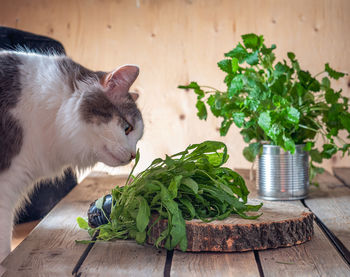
(191,210)
(332,73)
(308,146)
(265,121)
(140,237)
(329,150)
(235,65)
(99,202)
(291,56)
(174,185)
(143,215)
(238,119)
(314,85)
(225,126)
(345,121)
(326,82)
(304,77)
(225,65)
(189,182)
(236,86)
(289,144)
(197,89)
(253,58)
(315,156)
(240,53)
(252,41)
(251,152)
(293,115)
(202,110)
(331,97)
(83,224)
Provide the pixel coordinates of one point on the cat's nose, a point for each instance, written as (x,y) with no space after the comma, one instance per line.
(132,156)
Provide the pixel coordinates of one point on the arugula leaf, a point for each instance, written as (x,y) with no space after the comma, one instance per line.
(82,223)
(143,215)
(187,185)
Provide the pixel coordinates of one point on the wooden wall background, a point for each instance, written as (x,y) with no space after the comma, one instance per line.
(176,41)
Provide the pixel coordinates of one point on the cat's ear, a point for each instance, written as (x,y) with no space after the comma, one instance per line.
(120,80)
(134,96)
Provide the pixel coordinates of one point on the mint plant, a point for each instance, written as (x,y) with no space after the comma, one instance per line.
(277,102)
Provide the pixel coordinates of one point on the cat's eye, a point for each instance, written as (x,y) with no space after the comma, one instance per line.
(128,129)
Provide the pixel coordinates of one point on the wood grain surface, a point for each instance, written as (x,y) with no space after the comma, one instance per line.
(123,258)
(178,41)
(330,203)
(50,249)
(316,257)
(343,174)
(213,264)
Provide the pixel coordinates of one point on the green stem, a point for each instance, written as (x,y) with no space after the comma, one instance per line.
(318,74)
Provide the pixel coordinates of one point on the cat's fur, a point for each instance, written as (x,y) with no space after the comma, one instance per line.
(54,113)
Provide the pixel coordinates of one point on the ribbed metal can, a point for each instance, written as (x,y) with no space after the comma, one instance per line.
(282,175)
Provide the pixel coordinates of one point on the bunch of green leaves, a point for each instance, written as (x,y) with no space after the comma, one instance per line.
(191,184)
(277,102)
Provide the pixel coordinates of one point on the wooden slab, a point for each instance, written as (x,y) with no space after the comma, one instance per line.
(281,225)
(317,257)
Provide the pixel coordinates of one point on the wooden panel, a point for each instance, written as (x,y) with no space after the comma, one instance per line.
(123,258)
(177,41)
(50,249)
(331,203)
(317,257)
(343,174)
(213,264)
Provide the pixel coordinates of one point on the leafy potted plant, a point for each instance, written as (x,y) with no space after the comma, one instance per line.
(277,103)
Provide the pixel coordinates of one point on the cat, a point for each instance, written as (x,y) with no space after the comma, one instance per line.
(55,113)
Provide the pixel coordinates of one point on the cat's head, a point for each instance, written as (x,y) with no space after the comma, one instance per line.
(112,122)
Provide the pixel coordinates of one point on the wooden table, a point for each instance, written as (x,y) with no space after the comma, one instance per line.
(50,249)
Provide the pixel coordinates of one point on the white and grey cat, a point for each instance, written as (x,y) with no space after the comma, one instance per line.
(55,113)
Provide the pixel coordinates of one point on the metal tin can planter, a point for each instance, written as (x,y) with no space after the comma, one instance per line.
(282,175)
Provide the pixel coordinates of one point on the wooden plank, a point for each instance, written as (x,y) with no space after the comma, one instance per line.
(173,34)
(124,258)
(213,264)
(317,257)
(21,231)
(343,174)
(50,249)
(331,204)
